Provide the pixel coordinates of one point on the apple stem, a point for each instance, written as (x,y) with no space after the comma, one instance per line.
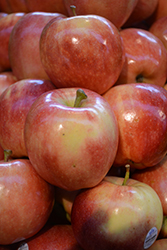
(73,8)
(127,174)
(7,154)
(80,95)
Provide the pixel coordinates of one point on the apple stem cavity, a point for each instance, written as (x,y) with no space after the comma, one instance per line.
(73,8)
(80,95)
(127,174)
(7,154)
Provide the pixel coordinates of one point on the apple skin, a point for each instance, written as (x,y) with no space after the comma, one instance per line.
(57,237)
(82,51)
(115,11)
(56,6)
(24,53)
(141,111)
(80,143)
(112,216)
(2,14)
(142,10)
(7,78)
(159,244)
(1,153)
(26,201)
(160,11)
(11,6)
(155,177)
(158,28)
(15,103)
(6,25)
(145,58)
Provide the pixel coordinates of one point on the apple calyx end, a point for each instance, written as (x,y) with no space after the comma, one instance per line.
(127,174)
(7,154)
(80,95)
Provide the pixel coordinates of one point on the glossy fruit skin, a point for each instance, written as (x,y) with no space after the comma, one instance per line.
(141,112)
(145,58)
(71,147)
(26,201)
(82,51)
(115,11)
(155,177)
(57,237)
(112,216)
(15,103)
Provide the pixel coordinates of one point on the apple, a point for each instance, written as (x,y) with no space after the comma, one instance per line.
(158,28)
(24,53)
(156,177)
(82,51)
(115,11)
(57,237)
(7,78)
(159,244)
(118,213)
(6,25)
(71,137)
(56,6)
(145,58)
(142,11)
(159,12)
(26,201)
(141,111)
(12,6)
(15,103)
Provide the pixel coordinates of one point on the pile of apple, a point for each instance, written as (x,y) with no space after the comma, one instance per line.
(83,125)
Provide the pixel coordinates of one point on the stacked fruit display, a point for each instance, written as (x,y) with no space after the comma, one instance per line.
(83,125)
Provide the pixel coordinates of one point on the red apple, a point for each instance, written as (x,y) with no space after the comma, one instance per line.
(7,78)
(143,10)
(82,51)
(26,201)
(158,28)
(160,244)
(160,11)
(59,237)
(145,58)
(6,25)
(56,6)
(116,216)
(141,112)
(11,6)
(24,53)
(15,103)
(156,177)
(115,11)
(71,144)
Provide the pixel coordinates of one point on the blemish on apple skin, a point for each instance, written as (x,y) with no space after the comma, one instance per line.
(74,166)
(63,134)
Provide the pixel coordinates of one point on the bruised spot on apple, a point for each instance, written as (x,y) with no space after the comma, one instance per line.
(113,216)
(59,137)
